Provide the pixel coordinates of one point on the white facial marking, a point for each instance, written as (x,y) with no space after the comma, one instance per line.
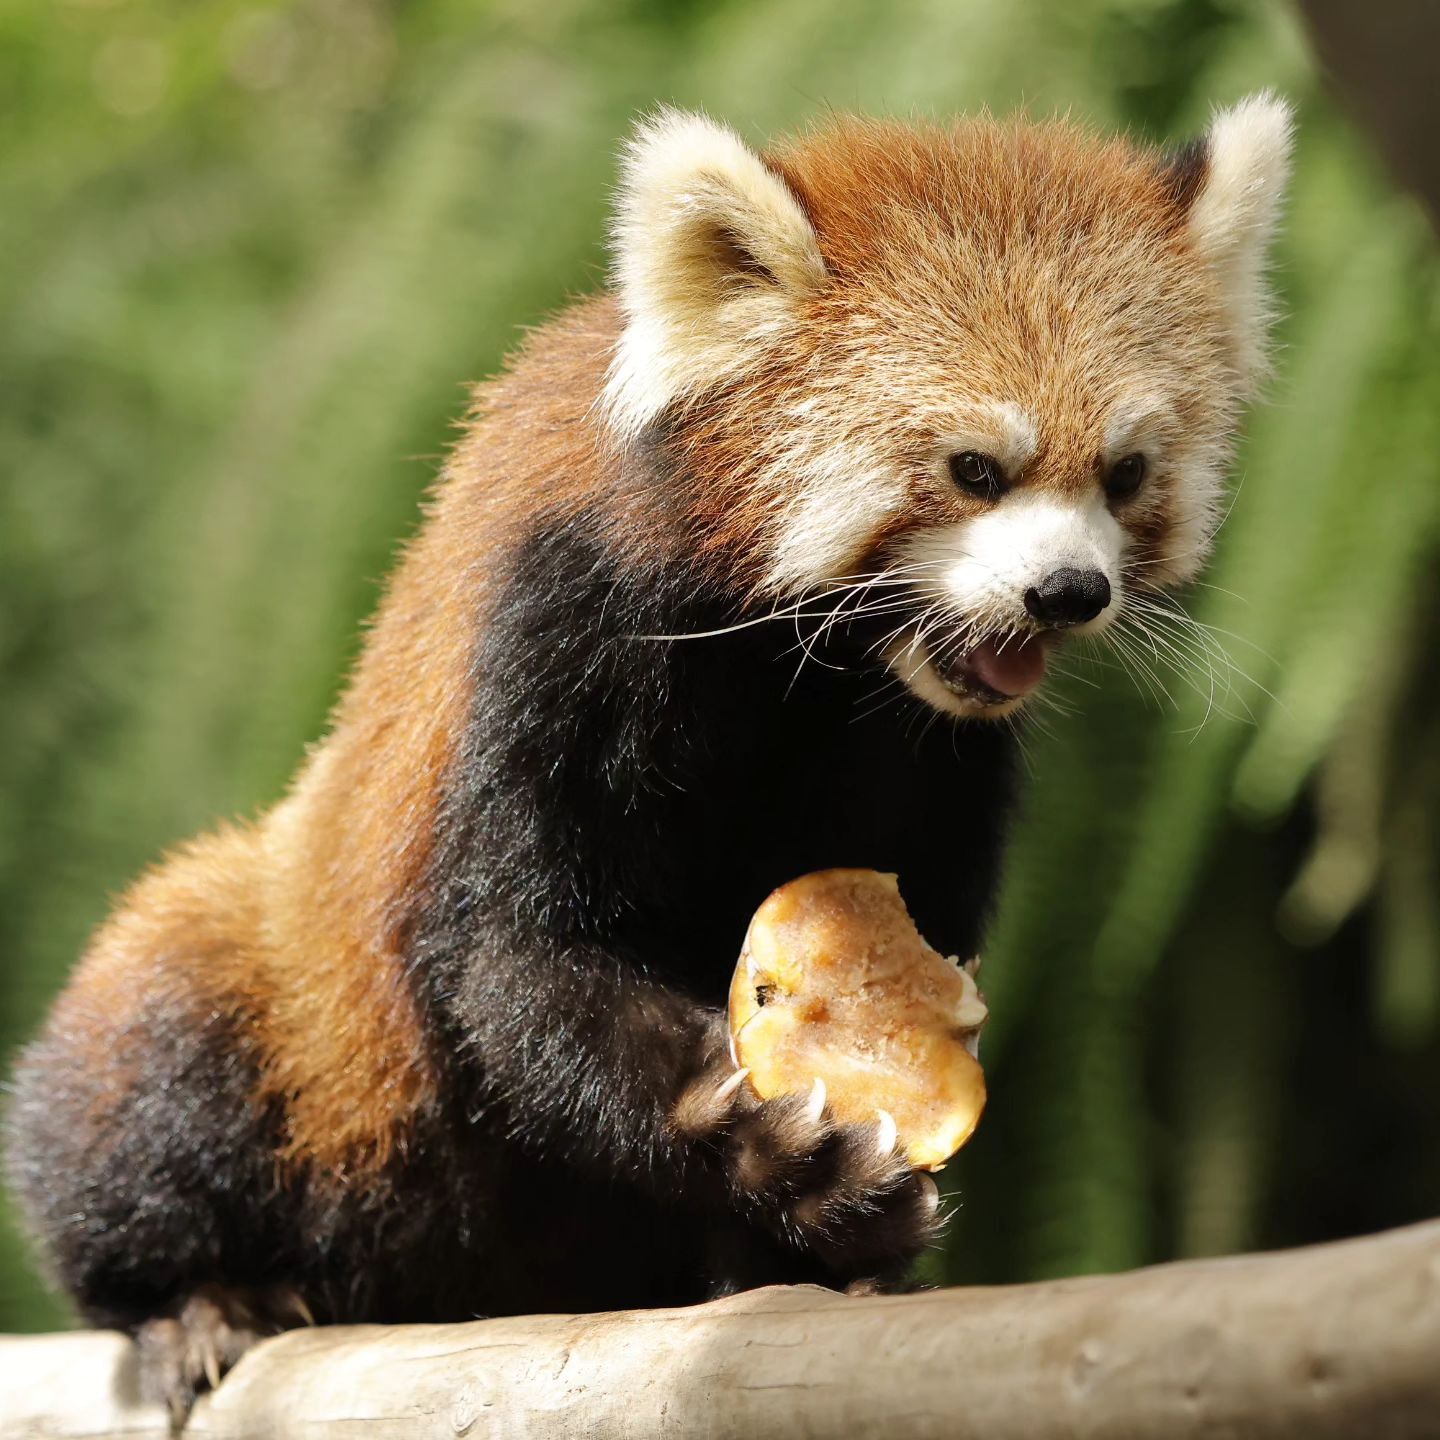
(843,498)
(1196,505)
(988,563)
(998,428)
(1019,436)
(1145,424)
(980,569)
(1185,481)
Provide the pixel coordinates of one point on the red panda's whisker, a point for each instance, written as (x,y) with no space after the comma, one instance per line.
(785,614)
(1187,663)
(866,607)
(890,691)
(1219,590)
(853,602)
(1200,639)
(1158,602)
(1135,665)
(890,637)
(807,643)
(1189,654)
(795,609)
(848,612)
(1195,654)
(1060,671)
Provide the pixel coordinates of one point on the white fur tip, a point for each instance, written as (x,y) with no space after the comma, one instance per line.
(1249,154)
(671,134)
(1265,119)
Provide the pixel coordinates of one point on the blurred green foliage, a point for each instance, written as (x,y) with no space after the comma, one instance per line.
(249,251)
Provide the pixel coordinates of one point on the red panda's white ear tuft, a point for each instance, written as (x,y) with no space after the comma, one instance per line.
(1237,207)
(713,255)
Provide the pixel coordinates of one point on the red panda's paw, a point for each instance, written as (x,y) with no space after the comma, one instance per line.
(184,1354)
(844,1193)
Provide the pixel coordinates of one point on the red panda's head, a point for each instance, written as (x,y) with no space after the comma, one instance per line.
(983,377)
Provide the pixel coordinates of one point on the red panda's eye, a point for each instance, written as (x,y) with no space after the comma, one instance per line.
(1125,477)
(976,474)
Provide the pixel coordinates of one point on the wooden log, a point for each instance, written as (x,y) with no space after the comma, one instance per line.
(1335,1341)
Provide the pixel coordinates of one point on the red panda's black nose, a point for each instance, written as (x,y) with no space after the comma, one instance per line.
(1068,597)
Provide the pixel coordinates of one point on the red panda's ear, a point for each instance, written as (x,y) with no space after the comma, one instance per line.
(1234,206)
(713,256)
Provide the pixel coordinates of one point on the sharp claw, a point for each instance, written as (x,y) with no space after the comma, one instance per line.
(732,1083)
(298,1305)
(929,1193)
(889,1132)
(816,1108)
(210,1361)
(972,966)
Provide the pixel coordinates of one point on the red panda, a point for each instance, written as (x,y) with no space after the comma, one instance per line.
(863,428)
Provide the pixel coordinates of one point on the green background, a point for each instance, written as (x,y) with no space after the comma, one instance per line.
(249,254)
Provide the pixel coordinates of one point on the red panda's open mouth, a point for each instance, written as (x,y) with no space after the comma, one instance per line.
(995,672)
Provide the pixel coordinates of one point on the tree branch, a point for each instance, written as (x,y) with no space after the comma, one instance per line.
(1333,1341)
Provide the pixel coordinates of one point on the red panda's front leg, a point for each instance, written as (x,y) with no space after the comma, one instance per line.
(628,1079)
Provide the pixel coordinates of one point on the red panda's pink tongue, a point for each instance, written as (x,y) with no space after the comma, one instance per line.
(1014,667)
